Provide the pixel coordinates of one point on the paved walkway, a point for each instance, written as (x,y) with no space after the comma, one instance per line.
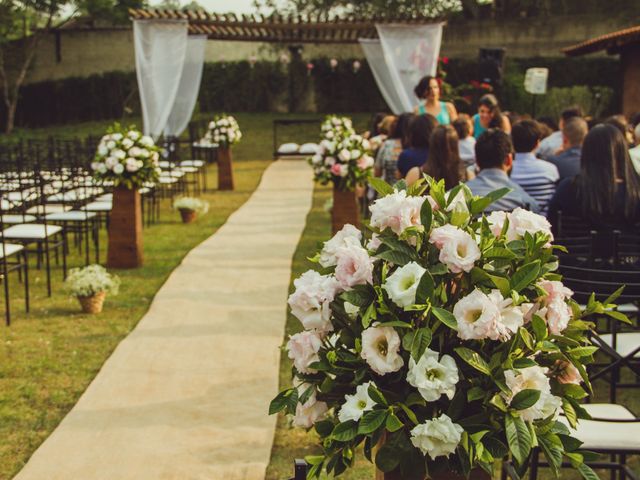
(185,395)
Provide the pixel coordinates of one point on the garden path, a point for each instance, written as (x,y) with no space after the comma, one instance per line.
(185,395)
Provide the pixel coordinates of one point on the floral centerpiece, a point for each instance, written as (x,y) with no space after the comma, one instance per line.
(335,127)
(190,207)
(448,339)
(223,130)
(90,286)
(125,157)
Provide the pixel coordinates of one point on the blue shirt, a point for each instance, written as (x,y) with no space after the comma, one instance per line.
(412,157)
(537,177)
(567,162)
(491,179)
(478,129)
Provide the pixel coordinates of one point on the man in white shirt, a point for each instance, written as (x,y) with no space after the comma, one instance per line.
(552,145)
(536,176)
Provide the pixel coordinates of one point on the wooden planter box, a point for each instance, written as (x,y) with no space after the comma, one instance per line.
(225,169)
(125,230)
(345,210)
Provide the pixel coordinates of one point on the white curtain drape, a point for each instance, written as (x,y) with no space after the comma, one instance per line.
(160,49)
(375,58)
(189,86)
(410,52)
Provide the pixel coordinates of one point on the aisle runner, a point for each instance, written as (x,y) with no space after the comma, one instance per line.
(185,395)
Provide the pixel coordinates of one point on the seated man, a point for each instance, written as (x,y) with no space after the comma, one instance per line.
(537,177)
(568,161)
(553,143)
(494,158)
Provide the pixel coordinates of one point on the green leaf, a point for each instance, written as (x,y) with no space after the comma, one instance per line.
(426,215)
(285,399)
(376,395)
(525,399)
(524,363)
(446,317)
(614,296)
(420,341)
(473,359)
(500,252)
(569,443)
(552,452)
(425,288)
(360,295)
(478,205)
(380,186)
(587,472)
(475,393)
(393,423)
(570,413)
(495,447)
(371,421)
(395,256)
(539,328)
(525,275)
(409,413)
(324,428)
(580,352)
(345,432)
(621,317)
(387,458)
(518,438)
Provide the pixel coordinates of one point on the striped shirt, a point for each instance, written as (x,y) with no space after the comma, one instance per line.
(387,159)
(537,177)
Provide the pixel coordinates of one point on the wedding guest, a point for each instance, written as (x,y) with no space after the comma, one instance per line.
(606,193)
(494,158)
(375,125)
(387,157)
(537,177)
(416,153)
(635,151)
(489,116)
(428,92)
(466,140)
(621,123)
(568,160)
(444,161)
(547,124)
(553,143)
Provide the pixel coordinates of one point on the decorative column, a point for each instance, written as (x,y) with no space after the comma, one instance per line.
(125,230)
(345,209)
(225,169)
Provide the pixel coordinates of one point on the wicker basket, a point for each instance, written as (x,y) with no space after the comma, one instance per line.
(92,304)
(188,216)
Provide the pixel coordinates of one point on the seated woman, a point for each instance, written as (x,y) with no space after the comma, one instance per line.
(387,155)
(489,116)
(606,193)
(417,144)
(444,160)
(428,92)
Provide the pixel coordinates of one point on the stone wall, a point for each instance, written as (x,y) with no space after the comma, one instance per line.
(87,52)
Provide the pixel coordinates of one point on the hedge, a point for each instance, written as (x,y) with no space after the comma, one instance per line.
(272,86)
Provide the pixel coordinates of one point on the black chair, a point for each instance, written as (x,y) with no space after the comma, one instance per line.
(299,469)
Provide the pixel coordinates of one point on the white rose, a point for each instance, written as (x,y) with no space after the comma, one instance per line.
(344,155)
(329,161)
(316,159)
(354,267)
(365,162)
(555,311)
(477,317)
(374,242)
(522,221)
(127,143)
(119,154)
(310,412)
(380,347)
(511,317)
(432,377)
(458,250)
(366,145)
(111,162)
(533,378)
(133,135)
(147,141)
(336,121)
(355,154)
(344,170)
(329,135)
(396,211)
(303,349)
(132,165)
(437,437)
(111,144)
(212,125)
(102,150)
(135,152)
(116,136)
(348,236)
(351,309)
(310,301)
(102,168)
(402,285)
(355,405)
(118,169)
(95,166)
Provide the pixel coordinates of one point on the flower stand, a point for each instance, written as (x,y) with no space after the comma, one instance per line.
(125,230)
(225,169)
(345,209)
(188,216)
(92,304)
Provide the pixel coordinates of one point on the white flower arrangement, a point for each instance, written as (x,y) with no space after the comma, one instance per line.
(223,130)
(126,157)
(449,333)
(334,127)
(91,280)
(192,204)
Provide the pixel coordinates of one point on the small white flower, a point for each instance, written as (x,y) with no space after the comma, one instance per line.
(355,154)
(380,347)
(118,169)
(310,301)
(433,377)
(303,349)
(351,309)
(437,437)
(127,143)
(147,141)
(348,236)
(311,411)
(458,250)
(344,155)
(111,144)
(511,317)
(533,378)
(477,317)
(354,266)
(402,285)
(329,135)
(355,405)
(119,154)
(102,150)
(116,136)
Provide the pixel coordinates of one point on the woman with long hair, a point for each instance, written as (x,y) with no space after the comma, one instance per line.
(387,156)
(416,150)
(428,92)
(489,116)
(444,161)
(606,193)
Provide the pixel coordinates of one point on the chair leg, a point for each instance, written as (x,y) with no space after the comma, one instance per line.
(533,469)
(64,255)
(26,281)
(48,267)
(7,308)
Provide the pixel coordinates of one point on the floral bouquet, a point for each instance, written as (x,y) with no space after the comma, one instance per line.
(346,162)
(447,340)
(334,128)
(90,285)
(223,130)
(126,158)
(190,208)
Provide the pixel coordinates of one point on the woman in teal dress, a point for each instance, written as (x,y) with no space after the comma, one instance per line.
(428,91)
(489,116)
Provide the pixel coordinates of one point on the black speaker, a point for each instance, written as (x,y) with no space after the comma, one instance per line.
(491,65)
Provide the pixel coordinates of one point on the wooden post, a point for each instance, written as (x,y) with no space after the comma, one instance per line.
(125,230)
(225,169)
(345,210)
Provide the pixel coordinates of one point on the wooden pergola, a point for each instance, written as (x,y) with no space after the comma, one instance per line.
(626,43)
(276,28)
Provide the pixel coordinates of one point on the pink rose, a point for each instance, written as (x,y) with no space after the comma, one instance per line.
(365,162)
(396,211)
(335,169)
(310,412)
(303,349)
(555,310)
(310,301)
(354,267)
(458,250)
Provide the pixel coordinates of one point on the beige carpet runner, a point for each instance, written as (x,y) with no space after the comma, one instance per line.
(185,395)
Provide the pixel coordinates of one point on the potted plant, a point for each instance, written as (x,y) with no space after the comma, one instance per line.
(127,160)
(90,286)
(224,131)
(344,159)
(443,344)
(190,207)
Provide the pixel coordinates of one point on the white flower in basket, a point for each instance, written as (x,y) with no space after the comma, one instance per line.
(190,207)
(91,285)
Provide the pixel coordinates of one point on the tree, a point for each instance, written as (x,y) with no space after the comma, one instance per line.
(363,8)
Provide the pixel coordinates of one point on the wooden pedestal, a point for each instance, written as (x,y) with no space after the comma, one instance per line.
(345,210)
(225,169)
(125,230)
